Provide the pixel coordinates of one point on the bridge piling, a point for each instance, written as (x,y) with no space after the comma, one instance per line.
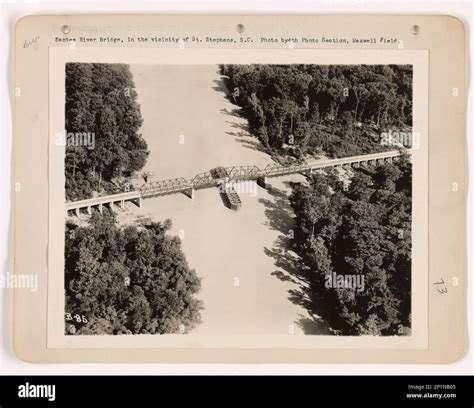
(262,182)
(307,173)
(190,193)
(231,174)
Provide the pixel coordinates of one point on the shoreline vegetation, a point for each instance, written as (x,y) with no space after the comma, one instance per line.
(136,279)
(128,280)
(101,100)
(363,230)
(118,280)
(358,227)
(337,110)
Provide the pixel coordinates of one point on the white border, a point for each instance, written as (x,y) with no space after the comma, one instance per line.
(59,56)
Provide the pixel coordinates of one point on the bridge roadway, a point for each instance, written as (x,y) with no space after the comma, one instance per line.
(206,180)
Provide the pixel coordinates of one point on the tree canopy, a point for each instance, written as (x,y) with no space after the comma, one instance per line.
(101,101)
(132,280)
(337,109)
(361,229)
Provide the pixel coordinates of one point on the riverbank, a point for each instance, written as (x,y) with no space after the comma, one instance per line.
(190,127)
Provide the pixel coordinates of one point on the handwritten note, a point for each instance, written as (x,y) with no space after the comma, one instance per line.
(33,43)
(440,287)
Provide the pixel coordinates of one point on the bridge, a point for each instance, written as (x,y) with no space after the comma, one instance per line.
(234,174)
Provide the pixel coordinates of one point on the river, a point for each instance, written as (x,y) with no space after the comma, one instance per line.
(190,127)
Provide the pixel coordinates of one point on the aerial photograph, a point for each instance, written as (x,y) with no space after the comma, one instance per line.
(256,199)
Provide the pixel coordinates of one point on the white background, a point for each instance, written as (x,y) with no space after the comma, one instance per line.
(12,10)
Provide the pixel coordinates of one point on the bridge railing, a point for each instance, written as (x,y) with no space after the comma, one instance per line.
(204,180)
(165,186)
(244,172)
(102,200)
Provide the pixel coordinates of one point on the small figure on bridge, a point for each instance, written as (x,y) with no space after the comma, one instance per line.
(146,175)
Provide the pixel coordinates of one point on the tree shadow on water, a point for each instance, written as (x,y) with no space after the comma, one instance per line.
(313,325)
(279,213)
(245,141)
(278,210)
(220,86)
(243,127)
(243,137)
(231,112)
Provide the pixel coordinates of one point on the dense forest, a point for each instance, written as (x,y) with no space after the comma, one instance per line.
(358,227)
(118,280)
(101,101)
(362,228)
(339,110)
(136,280)
(132,280)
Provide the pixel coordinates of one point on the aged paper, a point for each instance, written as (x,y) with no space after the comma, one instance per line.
(437,189)
(418,339)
